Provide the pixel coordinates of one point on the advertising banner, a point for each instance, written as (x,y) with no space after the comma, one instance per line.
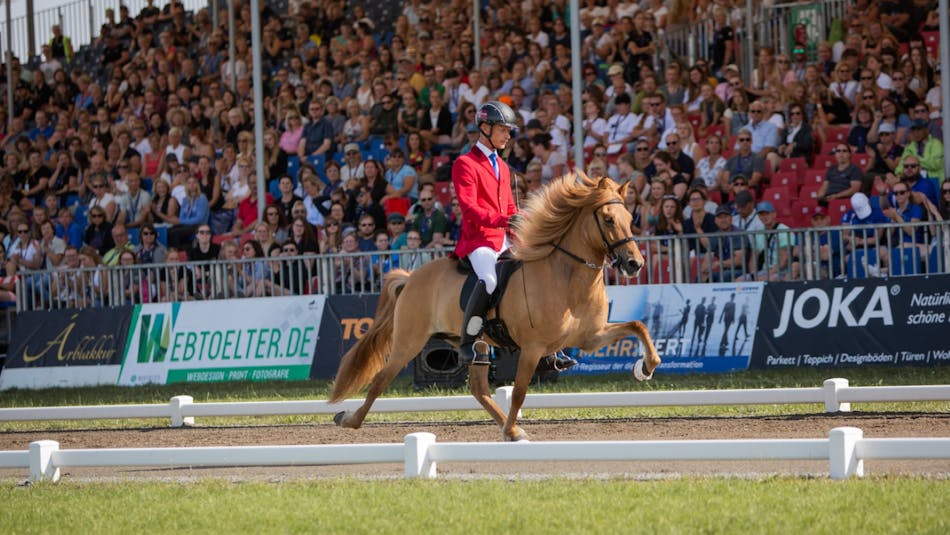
(214,341)
(805,23)
(345,319)
(896,321)
(65,348)
(696,327)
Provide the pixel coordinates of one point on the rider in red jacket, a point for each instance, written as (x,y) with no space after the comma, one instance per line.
(483,188)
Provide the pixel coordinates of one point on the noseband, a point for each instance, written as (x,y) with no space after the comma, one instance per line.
(611,246)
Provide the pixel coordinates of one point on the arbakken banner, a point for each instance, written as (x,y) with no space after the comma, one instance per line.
(896,321)
(214,341)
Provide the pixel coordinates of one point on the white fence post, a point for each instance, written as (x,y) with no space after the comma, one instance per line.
(831,395)
(503,398)
(417,455)
(176,404)
(41,461)
(842,455)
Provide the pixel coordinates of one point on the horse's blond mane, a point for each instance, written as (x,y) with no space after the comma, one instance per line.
(550,212)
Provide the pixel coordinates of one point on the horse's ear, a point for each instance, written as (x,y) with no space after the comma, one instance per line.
(604,183)
(622,190)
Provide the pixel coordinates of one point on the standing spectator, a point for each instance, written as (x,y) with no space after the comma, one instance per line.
(61,47)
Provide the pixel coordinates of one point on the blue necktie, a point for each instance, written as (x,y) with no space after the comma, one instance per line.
(494,163)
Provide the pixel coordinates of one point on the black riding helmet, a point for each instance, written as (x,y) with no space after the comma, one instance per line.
(494,112)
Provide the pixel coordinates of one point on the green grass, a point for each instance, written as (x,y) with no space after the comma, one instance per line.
(403,387)
(696,505)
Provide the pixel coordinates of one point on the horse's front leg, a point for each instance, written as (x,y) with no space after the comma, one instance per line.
(612,332)
(478,384)
(527,363)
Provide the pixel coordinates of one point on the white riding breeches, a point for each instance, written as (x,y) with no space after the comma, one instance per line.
(483,262)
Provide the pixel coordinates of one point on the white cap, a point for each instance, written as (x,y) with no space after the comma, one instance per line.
(861,205)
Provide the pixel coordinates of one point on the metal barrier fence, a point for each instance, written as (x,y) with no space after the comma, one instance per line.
(770,255)
(769,28)
(80,21)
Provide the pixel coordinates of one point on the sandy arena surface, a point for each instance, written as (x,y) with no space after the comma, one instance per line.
(875,425)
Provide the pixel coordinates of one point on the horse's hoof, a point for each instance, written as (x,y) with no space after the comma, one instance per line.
(338,418)
(520,436)
(638,371)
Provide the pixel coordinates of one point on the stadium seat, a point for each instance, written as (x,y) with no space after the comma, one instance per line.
(396,204)
(439,161)
(824,161)
(293,166)
(905,261)
(134,237)
(837,134)
(802,210)
(932,42)
(781,199)
(797,165)
(813,176)
(443,193)
(809,193)
(787,179)
(861,160)
(718,129)
(695,120)
(837,208)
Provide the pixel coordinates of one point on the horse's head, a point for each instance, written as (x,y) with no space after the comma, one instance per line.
(612,224)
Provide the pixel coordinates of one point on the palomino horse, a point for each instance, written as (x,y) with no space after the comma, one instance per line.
(567,231)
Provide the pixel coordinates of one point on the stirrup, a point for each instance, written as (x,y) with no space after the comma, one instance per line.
(482,352)
(558,361)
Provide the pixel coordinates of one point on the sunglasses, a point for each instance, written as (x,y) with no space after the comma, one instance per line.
(866,78)
(289,249)
(740,183)
(868,97)
(147,233)
(911,166)
(600,154)
(425,199)
(98,186)
(796,113)
(643,149)
(367,225)
(744,139)
(755,111)
(901,192)
(841,151)
(23,231)
(945,191)
(204,232)
(96,216)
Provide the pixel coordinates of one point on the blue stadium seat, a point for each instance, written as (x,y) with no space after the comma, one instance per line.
(318,162)
(134,236)
(162,234)
(905,261)
(293,166)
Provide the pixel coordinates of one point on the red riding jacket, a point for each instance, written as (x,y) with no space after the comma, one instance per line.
(486,202)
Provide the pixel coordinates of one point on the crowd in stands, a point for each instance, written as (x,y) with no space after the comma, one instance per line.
(153,160)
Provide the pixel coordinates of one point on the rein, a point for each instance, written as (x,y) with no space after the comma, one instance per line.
(603,236)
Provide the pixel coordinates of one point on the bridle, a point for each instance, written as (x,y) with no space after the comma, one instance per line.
(611,246)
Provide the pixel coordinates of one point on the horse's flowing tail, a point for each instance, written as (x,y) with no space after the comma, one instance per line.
(368,355)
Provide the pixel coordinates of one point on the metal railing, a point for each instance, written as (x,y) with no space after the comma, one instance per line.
(771,255)
(80,21)
(770,27)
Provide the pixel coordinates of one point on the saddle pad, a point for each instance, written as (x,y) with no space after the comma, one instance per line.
(504,269)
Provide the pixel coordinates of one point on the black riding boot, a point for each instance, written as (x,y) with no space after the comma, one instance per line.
(473,323)
(557,361)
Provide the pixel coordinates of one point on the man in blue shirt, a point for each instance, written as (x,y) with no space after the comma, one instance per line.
(317,135)
(862,259)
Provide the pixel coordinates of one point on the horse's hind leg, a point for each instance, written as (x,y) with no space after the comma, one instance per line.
(404,348)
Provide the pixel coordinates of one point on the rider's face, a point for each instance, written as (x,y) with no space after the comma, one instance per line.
(500,136)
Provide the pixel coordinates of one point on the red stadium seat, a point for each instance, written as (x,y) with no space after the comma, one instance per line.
(443,193)
(797,164)
(396,204)
(837,134)
(861,160)
(932,42)
(439,161)
(802,210)
(809,193)
(694,119)
(787,179)
(718,129)
(824,161)
(813,176)
(781,199)
(837,208)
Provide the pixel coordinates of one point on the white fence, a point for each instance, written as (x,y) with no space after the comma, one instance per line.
(846,449)
(835,394)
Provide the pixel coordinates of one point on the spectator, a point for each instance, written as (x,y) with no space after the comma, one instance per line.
(353,166)
(293,132)
(317,136)
(380,264)
(194,212)
(431,222)
(624,127)
(303,236)
(822,248)
(247,208)
(251,274)
(726,258)
(349,270)
(61,47)
(92,290)
(418,156)
(69,229)
(436,125)
(765,135)
(744,162)
(99,231)
(799,138)
(287,197)
(684,162)
(402,177)
(553,163)
(384,118)
(698,221)
(862,259)
(912,176)
(709,168)
(778,264)
(120,238)
(927,149)
(135,202)
(843,180)
(151,251)
(164,207)
(103,198)
(904,211)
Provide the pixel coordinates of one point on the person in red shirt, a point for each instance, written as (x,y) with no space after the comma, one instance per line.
(483,188)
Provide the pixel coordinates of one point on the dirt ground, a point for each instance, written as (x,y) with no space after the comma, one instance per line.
(875,425)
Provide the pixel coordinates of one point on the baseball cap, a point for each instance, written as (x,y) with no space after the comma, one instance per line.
(697,183)
(615,69)
(819,211)
(396,217)
(723,210)
(861,205)
(533,123)
(471,128)
(764,206)
(885,128)
(743,198)
(351,147)
(920,123)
